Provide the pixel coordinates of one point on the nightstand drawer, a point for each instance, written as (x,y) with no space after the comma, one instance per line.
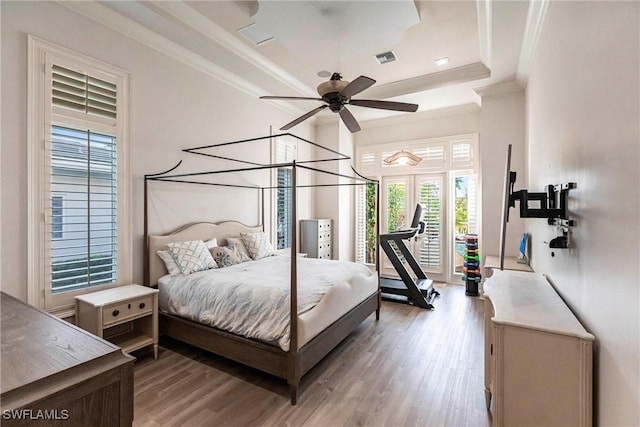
(116,313)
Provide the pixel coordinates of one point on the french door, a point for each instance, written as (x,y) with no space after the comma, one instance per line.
(400,195)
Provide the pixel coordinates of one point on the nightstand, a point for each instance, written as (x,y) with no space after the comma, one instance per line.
(127,316)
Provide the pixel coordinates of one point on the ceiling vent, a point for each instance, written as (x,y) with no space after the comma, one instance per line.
(255,34)
(385,57)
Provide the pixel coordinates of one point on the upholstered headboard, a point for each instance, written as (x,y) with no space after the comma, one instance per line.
(196,231)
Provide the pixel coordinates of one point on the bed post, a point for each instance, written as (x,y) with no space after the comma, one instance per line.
(145,259)
(378,247)
(294,374)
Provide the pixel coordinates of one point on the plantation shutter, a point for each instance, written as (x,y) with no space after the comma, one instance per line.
(430,195)
(462,154)
(83,93)
(472,207)
(285,152)
(361,223)
(284,208)
(81,233)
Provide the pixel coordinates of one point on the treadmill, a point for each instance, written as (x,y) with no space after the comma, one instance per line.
(419,292)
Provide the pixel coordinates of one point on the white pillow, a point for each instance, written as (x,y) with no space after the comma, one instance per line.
(257,245)
(236,245)
(171,265)
(191,256)
(211,243)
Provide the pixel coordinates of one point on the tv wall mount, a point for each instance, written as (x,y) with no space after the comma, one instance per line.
(551,205)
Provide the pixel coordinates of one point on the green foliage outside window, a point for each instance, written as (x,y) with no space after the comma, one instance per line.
(370,256)
(462,210)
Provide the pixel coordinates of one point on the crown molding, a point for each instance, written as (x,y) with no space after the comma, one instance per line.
(502,88)
(129,28)
(465,73)
(532,31)
(194,19)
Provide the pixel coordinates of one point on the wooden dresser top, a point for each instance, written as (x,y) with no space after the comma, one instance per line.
(37,345)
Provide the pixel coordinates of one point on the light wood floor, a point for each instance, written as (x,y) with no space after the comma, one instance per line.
(412,367)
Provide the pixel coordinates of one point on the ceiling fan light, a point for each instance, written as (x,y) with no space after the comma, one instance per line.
(403,157)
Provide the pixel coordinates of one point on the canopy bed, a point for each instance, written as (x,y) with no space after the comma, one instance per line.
(312,304)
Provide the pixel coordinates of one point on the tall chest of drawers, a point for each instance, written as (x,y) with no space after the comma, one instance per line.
(315,236)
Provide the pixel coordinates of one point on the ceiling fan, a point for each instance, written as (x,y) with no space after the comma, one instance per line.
(337,93)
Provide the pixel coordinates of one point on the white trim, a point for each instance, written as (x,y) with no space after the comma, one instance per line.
(135,31)
(208,28)
(532,31)
(503,88)
(464,73)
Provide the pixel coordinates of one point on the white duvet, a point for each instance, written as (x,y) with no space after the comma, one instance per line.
(252,299)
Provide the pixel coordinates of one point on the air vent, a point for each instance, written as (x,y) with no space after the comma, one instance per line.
(385,57)
(255,34)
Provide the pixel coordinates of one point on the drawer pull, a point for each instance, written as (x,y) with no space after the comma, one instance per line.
(129,306)
(142,305)
(115,313)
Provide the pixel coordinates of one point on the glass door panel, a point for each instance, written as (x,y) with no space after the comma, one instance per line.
(465,217)
(395,203)
(429,247)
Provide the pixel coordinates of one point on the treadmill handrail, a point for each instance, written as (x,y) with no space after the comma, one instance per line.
(400,234)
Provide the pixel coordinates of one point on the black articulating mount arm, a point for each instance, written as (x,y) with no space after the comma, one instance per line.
(551,205)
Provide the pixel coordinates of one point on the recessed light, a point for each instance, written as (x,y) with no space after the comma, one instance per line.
(324,74)
(442,61)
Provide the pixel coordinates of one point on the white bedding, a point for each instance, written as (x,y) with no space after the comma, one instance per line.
(252,298)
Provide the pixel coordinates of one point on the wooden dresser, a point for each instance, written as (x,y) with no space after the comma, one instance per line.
(538,357)
(315,238)
(54,373)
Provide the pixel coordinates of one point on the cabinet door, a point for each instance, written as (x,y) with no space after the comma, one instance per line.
(489,359)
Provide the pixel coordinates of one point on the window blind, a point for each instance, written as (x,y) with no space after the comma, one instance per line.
(82,235)
(285,151)
(284,208)
(430,193)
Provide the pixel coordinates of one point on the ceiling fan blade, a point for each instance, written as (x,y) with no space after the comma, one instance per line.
(385,105)
(291,97)
(303,117)
(349,120)
(356,86)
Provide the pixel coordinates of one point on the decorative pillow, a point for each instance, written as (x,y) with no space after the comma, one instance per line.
(224,256)
(171,265)
(211,243)
(257,245)
(236,245)
(191,256)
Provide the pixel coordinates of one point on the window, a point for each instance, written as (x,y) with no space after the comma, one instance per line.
(366,200)
(56,217)
(284,208)
(79,229)
(284,152)
(445,182)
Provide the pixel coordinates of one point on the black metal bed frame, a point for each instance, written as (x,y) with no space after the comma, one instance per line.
(190,178)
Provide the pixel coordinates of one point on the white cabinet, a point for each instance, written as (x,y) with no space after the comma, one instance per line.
(315,238)
(126,316)
(538,357)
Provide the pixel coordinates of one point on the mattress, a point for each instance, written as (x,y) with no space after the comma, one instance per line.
(252,299)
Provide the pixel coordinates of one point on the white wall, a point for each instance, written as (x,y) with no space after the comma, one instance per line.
(172,107)
(583,113)
(501,123)
(428,124)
